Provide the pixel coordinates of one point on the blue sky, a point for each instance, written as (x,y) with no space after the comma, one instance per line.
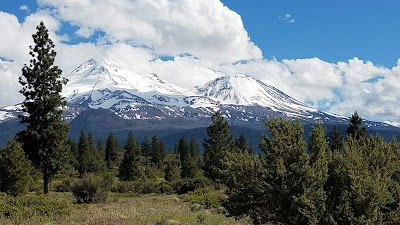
(330,30)
(338,56)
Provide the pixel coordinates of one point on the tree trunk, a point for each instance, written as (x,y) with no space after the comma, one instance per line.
(46,181)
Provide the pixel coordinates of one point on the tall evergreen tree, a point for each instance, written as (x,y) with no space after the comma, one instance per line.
(354,129)
(131,167)
(286,179)
(84,154)
(216,147)
(44,139)
(189,157)
(99,165)
(111,151)
(315,195)
(194,151)
(146,150)
(15,169)
(335,139)
(241,143)
(157,152)
(183,149)
(73,147)
(172,168)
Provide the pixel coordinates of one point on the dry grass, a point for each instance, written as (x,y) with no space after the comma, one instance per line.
(124,209)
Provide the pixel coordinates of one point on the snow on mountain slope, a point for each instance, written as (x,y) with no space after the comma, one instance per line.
(106,84)
(244,90)
(108,74)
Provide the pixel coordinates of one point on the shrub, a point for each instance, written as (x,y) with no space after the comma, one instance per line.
(206,197)
(64,186)
(33,205)
(166,188)
(188,185)
(141,186)
(90,189)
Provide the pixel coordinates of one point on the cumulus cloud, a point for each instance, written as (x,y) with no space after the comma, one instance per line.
(25,8)
(206,39)
(206,29)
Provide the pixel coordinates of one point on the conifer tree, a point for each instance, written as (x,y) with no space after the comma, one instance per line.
(98,165)
(190,158)
(111,151)
(146,150)
(216,147)
(194,151)
(172,168)
(285,199)
(354,129)
(84,154)
(131,167)
(44,139)
(157,152)
(335,139)
(242,144)
(73,146)
(185,158)
(315,195)
(15,170)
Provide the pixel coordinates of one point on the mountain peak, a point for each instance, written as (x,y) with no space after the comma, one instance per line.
(241,89)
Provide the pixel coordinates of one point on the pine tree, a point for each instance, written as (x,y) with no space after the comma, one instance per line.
(287,170)
(44,139)
(131,167)
(315,195)
(146,150)
(84,154)
(354,129)
(189,157)
(242,144)
(172,168)
(220,142)
(185,158)
(111,151)
(335,139)
(194,151)
(73,146)
(157,152)
(15,170)
(98,165)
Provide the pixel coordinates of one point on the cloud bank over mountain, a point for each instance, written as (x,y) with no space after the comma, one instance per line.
(189,43)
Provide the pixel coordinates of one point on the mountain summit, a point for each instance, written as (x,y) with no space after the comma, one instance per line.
(243,90)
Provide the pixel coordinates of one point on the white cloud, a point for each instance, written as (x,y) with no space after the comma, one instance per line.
(287,18)
(206,28)
(209,31)
(25,8)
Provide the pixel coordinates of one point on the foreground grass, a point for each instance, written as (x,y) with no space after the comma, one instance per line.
(127,209)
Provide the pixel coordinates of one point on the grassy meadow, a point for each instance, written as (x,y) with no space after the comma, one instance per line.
(120,208)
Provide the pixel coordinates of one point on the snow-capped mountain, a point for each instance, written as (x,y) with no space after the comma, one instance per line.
(106,84)
(243,90)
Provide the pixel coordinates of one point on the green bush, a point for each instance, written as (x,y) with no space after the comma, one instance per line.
(188,185)
(166,188)
(206,197)
(64,186)
(33,205)
(90,189)
(141,186)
